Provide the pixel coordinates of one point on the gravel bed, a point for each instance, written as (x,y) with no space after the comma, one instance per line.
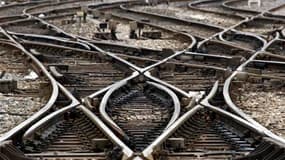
(90,27)
(15,110)
(266,107)
(84,29)
(196,30)
(18,105)
(190,14)
(158,44)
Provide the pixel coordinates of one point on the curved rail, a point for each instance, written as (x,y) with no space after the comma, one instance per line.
(128,153)
(258,38)
(175,99)
(51,101)
(238,111)
(103,104)
(120,84)
(226,4)
(74,103)
(147,152)
(50,38)
(192,4)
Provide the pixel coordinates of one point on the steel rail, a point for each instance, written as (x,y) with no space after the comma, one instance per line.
(103,105)
(208,55)
(50,38)
(195,3)
(178,90)
(134,74)
(258,75)
(226,4)
(42,122)
(141,70)
(88,43)
(52,4)
(23,4)
(147,152)
(176,102)
(267,53)
(193,42)
(124,7)
(236,32)
(90,46)
(237,110)
(49,104)
(269,62)
(174,19)
(247,19)
(107,118)
(128,153)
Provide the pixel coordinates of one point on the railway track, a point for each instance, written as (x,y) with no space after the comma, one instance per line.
(155,43)
(30,27)
(72,135)
(250,42)
(261,93)
(150,37)
(265,27)
(142,112)
(219,7)
(20,85)
(54,7)
(208,135)
(16,9)
(196,29)
(190,13)
(82,72)
(202,78)
(202,59)
(197,84)
(225,49)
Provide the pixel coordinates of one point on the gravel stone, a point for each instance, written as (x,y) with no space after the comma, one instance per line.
(17,106)
(266,107)
(123,29)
